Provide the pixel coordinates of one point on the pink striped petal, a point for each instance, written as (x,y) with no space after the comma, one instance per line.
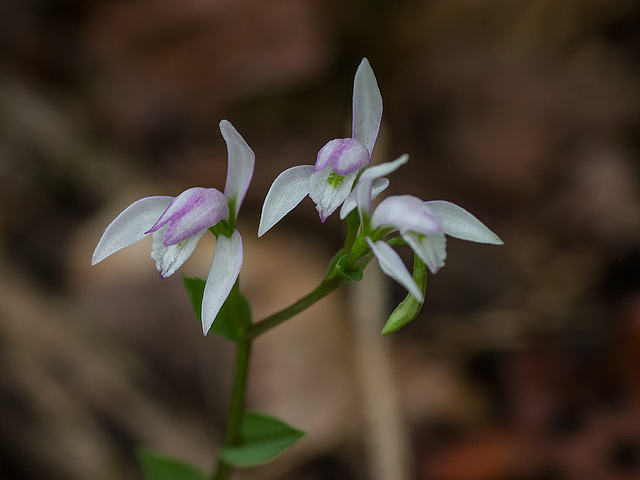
(405,213)
(192,211)
(343,155)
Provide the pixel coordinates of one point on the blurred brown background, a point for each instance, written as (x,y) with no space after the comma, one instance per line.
(524,363)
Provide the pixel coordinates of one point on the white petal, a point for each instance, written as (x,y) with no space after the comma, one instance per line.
(169,259)
(379,185)
(241,164)
(364,189)
(367,106)
(393,266)
(130,226)
(329,190)
(459,223)
(432,249)
(286,192)
(224,271)
(405,212)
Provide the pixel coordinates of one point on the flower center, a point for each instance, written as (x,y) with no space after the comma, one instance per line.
(335,180)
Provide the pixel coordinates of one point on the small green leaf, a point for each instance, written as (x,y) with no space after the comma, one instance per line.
(234,316)
(410,306)
(263,438)
(158,467)
(195,291)
(344,270)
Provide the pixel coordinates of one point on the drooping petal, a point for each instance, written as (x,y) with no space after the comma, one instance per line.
(405,212)
(367,106)
(432,249)
(131,225)
(328,190)
(192,211)
(286,192)
(459,223)
(364,188)
(393,266)
(224,271)
(241,165)
(379,185)
(169,259)
(344,155)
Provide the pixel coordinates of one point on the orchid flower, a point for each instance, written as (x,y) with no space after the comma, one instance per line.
(422,225)
(330,180)
(176,225)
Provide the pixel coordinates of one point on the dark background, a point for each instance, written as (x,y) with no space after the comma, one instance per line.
(524,362)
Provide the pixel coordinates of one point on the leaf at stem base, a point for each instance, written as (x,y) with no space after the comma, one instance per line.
(159,467)
(263,438)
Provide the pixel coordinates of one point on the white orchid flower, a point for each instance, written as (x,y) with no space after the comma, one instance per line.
(178,223)
(423,226)
(329,182)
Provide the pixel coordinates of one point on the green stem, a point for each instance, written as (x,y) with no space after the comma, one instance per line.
(236,406)
(325,288)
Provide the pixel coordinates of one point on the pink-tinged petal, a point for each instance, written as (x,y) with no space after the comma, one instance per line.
(169,259)
(379,185)
(459,223)
(130,226)
(241,165)
(224,271)
(364,188)
(192,211)
(286,192)
(329,190)
(393,266)
(367,106)
(432,249)
(405,213)
(344,155)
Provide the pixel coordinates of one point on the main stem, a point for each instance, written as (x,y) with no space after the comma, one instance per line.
(241,371)
(236,406)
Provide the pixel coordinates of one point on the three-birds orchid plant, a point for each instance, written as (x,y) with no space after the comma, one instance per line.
(341,177)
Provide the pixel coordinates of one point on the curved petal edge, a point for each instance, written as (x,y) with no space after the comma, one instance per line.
(224,271)
(286,192)
(131,225)
(457,222)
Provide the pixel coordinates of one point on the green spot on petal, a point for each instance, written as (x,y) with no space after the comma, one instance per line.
(335,180)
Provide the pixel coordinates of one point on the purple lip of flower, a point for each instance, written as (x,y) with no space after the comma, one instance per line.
(191,212)
(344,155)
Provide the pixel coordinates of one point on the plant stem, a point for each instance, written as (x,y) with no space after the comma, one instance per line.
(326,287)
(243,353)
(236,406)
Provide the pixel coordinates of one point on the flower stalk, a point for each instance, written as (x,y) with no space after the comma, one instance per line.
(236,406)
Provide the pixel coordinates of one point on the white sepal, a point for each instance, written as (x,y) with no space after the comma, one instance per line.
(224,271)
